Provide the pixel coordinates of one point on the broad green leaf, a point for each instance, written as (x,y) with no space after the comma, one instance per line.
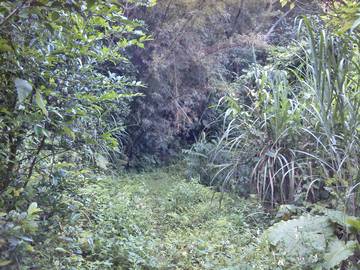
(354,223)
(17,191)
(40,131)
(355,24)
(23,89)
(5,46)
(41,103)
(62,250)
(33,209)
(110,140)
(152,3)
(68,131)
(90,3)
(284,2)
(112,95)
(301,237)
(55,15)
(4,262)
(338,252)
(336,216)
(101,161)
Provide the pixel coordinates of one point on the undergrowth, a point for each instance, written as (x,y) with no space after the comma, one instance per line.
(153,220)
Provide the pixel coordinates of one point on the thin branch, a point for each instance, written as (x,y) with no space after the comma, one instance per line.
(12,13)
(238,15)
(41,145)
(267,35)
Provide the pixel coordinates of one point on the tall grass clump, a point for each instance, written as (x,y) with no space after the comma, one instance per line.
(291,128)
(330,82)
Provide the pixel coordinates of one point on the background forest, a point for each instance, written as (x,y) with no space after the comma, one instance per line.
(180,134)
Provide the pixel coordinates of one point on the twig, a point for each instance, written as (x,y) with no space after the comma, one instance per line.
(12,13)
(276,24)
(41,145)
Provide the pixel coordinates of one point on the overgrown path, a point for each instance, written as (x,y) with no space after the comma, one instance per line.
(156,220)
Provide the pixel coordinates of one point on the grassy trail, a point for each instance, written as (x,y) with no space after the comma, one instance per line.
(156,220)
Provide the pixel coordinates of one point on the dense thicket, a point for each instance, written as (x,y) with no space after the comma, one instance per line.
(295,118)
(64,89)
(64,97)
(290,134)
(198,47)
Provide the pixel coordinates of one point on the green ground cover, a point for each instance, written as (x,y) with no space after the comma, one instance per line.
(152,220)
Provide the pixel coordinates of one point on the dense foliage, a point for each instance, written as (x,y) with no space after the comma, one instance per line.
(198,47)
(60,93)
(63,97)
(144,221)
(257,103)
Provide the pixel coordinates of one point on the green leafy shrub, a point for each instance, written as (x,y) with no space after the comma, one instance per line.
(312,241)
(202,163)
(60,91)
(16,230)
(63,102)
